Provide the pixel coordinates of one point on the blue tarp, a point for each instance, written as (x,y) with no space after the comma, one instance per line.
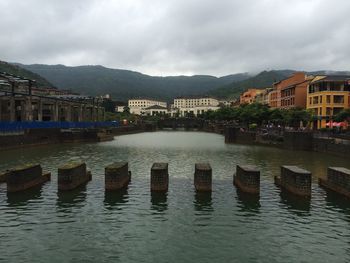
(6,126)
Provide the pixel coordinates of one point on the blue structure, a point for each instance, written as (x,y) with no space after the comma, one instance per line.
(6,126)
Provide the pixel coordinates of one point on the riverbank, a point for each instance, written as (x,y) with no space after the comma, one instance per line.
(37,137)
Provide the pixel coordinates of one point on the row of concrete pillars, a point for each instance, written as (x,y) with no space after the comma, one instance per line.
(40,109)
(293,179)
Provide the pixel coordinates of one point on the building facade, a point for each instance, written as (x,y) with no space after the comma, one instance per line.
(194,106)
(326,97)
(20,101)
(249,96)
(138,106)
(290,92)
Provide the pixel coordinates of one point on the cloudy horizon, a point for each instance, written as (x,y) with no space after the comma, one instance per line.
(178,37)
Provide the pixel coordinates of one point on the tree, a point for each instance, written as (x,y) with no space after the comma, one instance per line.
(126,109)
(297,115)
(343,115)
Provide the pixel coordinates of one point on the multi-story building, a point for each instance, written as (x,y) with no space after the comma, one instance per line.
(263,97)
(138,106)
(249,95)
(290,92)
(327,96)
(185,106)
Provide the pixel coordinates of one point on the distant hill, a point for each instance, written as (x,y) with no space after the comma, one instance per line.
(263,80)
(125,84)
(20,71)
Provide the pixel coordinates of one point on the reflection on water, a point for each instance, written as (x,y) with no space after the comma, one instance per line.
(116,198)
(71,198)
(159,201)
(22,198)
(135,225)
(295,203)
(203,201)
(337,201)
(248,202)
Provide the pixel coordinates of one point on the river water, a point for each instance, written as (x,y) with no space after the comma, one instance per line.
(88,225)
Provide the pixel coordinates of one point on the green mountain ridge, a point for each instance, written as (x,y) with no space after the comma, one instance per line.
(125,84)
(22,72)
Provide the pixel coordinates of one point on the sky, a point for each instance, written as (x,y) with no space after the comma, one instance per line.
(173,37)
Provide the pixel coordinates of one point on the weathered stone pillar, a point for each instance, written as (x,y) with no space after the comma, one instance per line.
(159,177)
(80,113)
(28,109)
(295,180)
(247,179)
(338,180)
(23,178)
(1,119)
(40,110)
(56,111)
(69,112)
(12,109)
(203,177)
(117,176)
(72,175)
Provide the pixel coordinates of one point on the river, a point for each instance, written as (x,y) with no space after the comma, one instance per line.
(88,225)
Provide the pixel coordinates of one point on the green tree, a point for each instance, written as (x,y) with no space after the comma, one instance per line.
(343,115)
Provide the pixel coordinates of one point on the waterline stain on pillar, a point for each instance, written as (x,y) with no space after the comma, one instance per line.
(338,180)
(247,179)
(203,177)
(72,175)
(25,177)
(295,180)
(159,177)
(117,176)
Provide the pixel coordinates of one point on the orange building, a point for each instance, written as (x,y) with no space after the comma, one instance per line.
(248,96)
(290,92)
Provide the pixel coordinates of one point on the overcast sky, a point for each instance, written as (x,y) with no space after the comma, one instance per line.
(171,37)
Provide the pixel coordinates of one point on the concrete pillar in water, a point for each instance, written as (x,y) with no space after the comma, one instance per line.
(72,175)
(23,178)
(247,179)
(338,180)
(117,176)
(295,180)
(159,177)
(203,177)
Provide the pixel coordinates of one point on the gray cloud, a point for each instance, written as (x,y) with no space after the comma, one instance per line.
(178,36)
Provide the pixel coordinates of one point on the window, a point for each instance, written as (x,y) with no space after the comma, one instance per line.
(328,99)
(338,99)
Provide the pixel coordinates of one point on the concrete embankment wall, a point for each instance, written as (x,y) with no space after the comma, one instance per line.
(292,140)
(34,137)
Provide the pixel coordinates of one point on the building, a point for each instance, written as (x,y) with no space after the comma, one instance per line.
(21,100)
(290,92)
(327,96)
(194,106)
(155,110)
(138,106)
(263,97)
(248,96)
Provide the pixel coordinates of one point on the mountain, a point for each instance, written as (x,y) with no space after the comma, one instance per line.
(22,72)
(125,84)
(263,80)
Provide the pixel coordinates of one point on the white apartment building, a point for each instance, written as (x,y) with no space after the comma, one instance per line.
(138,106)
(195,106)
